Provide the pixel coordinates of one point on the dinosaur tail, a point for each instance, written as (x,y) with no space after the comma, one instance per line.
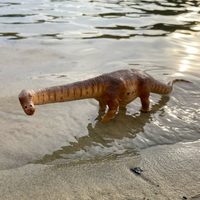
(161,88)
(175,80)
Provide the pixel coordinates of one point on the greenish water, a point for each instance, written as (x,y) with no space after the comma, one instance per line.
(46,43)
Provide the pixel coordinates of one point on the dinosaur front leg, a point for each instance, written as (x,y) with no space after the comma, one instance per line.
(113,106)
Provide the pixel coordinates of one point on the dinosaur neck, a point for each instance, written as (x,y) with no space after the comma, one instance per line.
(90,88)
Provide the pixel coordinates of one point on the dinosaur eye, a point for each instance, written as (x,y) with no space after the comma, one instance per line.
(25,107)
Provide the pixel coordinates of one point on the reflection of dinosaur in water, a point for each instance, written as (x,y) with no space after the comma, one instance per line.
(125,126)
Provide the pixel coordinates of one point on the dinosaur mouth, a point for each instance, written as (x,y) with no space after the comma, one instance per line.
(30,111)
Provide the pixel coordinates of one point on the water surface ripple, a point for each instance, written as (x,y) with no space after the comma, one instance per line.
(96,19)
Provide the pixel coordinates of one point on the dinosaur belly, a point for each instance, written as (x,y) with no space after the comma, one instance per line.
(128,96)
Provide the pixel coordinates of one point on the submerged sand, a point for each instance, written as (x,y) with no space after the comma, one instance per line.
(64,152)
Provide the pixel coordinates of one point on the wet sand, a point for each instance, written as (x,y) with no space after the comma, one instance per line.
(170,172)
(64,152)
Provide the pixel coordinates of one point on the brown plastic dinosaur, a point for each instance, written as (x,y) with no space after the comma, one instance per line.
(114,89)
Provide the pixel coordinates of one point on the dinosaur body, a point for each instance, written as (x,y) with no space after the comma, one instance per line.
(114,89)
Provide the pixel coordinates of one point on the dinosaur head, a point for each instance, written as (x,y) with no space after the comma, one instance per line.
(26,102)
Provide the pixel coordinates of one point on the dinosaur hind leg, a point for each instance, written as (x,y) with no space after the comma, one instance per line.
(145,104)
(144,97)
(113,106)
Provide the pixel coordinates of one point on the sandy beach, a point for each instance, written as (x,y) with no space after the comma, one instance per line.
(63,151)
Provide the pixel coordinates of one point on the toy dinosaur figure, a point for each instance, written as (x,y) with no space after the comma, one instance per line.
(114,89)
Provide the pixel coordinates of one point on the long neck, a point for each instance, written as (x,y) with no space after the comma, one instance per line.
(90,88)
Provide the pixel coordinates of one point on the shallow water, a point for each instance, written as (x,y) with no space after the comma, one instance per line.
(46,43)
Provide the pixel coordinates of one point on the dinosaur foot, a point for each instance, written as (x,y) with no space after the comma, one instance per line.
(105,120)
(145,110)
